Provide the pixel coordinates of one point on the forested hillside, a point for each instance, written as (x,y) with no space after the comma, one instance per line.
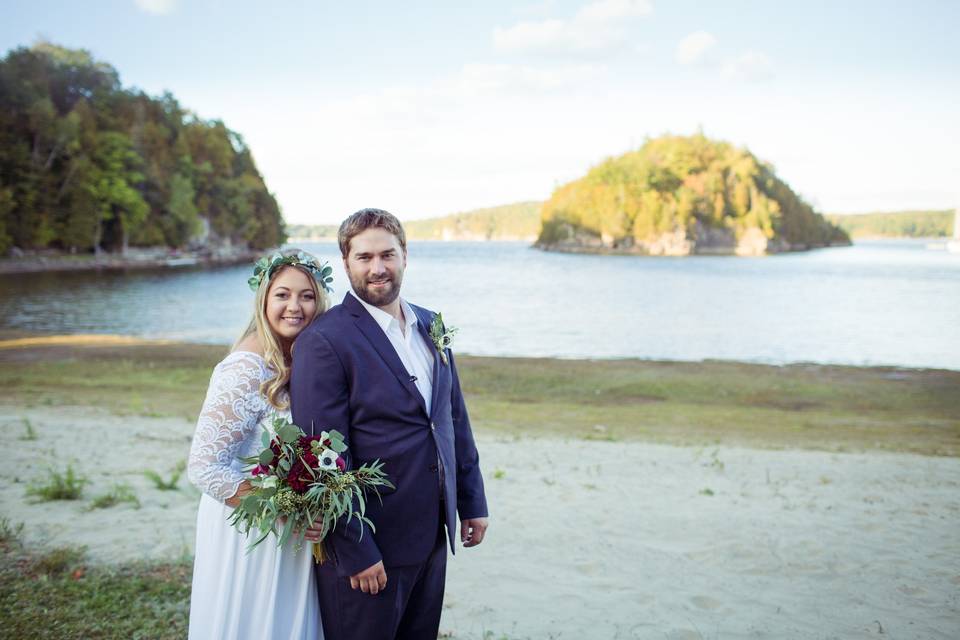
(519,221)
(681,195)
(896,224)
(88,165)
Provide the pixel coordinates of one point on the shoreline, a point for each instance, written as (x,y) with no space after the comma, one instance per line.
(136,259)
(14,338)
(799,406)
(709,251)
(163,258)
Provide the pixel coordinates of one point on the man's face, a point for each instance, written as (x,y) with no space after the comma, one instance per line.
(375,266)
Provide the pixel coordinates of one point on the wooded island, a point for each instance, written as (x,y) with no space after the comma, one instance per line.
(682,195)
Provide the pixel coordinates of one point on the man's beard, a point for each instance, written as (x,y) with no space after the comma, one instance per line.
(377,298)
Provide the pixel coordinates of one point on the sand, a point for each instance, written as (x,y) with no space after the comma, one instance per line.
(591,539)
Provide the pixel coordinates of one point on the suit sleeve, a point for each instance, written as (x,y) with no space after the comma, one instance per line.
(319,400)
(471,499)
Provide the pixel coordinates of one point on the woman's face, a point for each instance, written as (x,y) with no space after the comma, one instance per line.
(291,303)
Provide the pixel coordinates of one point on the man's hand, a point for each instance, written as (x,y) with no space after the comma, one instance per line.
(371,580)
(472,531)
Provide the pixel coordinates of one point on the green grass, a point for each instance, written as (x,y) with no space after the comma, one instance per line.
(706,403)
(29,433)
(53,594)
(118,493)
(690,403)
(58,486)
(58,560)
(115,379)
(166,485)
(10,534)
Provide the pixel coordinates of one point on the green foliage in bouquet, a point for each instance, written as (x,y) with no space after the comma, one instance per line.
(299,480)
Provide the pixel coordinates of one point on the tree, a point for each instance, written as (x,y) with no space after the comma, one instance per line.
(89,165)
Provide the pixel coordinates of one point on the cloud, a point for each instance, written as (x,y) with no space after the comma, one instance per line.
(698,49)
(693,48)
(157,7)
(596,26)
(750,65)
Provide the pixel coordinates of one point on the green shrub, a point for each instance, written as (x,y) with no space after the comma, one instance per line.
(120,492)
(68,486)
(166,485)
(29,433)
(59,560)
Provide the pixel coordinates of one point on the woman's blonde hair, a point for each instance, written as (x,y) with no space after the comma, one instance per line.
(273,352)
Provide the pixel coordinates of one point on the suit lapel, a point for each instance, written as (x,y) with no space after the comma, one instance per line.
(423,322)
(375,335)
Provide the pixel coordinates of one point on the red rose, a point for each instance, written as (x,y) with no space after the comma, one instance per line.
(295,478)
(311,460)
(260,470)
(341,465)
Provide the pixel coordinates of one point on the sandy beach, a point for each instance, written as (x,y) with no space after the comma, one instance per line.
(591,539)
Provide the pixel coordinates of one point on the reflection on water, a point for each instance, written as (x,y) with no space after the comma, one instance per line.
(893,302)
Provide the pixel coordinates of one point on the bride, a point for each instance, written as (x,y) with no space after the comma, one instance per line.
(268,593)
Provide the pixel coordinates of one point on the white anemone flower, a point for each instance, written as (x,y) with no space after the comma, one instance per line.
(328,459)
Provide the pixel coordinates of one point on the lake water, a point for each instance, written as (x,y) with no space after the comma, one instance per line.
(893,302)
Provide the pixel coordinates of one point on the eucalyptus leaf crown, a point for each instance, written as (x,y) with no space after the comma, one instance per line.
(265,268)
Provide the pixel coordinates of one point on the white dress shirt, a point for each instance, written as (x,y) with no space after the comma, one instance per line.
(411,347)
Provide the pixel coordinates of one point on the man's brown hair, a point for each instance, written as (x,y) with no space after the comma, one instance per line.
(368,219)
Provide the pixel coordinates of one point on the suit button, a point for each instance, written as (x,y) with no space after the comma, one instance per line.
(433,468)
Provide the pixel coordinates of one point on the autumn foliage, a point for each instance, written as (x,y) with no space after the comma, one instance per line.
(689,185)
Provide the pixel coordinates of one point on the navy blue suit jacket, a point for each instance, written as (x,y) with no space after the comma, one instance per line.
(347,376)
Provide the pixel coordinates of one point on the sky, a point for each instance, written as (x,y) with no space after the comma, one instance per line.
(429,108)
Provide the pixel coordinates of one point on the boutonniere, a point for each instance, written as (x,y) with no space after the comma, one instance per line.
(442,337)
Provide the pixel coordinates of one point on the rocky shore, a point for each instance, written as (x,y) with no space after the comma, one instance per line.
(148,258)
(702,241)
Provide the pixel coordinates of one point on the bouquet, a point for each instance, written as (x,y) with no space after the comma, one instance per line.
(299,480)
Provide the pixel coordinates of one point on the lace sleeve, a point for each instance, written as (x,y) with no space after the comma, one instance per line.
(230,412)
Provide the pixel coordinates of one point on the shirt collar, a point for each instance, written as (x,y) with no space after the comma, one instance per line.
(383,318)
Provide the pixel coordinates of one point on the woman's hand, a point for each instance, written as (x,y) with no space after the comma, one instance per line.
(315,531)
(243,489)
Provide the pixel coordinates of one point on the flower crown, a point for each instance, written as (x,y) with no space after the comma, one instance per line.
(266,267)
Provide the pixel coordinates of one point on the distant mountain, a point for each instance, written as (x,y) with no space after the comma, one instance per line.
(680,195)
(312,232)
(519,221)
(896,224)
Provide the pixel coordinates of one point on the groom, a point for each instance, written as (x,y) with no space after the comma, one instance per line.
(371,369)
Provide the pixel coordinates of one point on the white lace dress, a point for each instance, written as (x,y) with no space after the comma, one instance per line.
(268,593)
